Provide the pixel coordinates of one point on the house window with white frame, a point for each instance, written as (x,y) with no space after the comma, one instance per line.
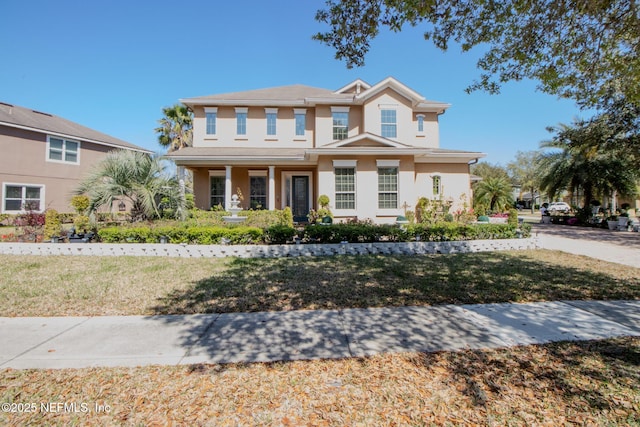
(437,185)
(22,197)
(388,123)
(272,116)
(241,121)
(63,150)
(420,118)
(258,190)
(217,186)
(300,116)
(387,187)
(340,118)
(345,181)
(211,115)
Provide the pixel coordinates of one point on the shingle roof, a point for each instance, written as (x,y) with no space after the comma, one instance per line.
(25,118)
(289,93)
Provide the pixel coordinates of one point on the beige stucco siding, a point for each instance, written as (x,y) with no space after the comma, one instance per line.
(24,161)
(455,182)
(256,135)
(407,124)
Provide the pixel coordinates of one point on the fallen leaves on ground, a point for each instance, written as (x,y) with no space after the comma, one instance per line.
(585,383)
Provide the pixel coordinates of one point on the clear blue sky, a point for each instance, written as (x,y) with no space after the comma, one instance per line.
(112,66)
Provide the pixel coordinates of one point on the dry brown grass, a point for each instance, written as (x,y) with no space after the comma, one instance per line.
(65,285)
(586,383)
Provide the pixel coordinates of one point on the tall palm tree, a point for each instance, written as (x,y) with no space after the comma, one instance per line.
(495,192)
(137,177)
(176,127)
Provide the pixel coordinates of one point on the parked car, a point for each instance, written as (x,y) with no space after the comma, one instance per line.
(559,207)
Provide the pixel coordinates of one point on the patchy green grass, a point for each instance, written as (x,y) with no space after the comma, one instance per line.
(570,383)
(80,285)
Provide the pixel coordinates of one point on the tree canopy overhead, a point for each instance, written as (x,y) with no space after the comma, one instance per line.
(586,50)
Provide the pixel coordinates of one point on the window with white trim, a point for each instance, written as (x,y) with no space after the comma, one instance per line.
(272,117)
(387,187)
(420,118)
(258,189)
(22,197)
(217,187)
(345,181)
(300,115)
(340,120)
(388,123)
(437,185)
(62,150)
(211,115)
(241,121)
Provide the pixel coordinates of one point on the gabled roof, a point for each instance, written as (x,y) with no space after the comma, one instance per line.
(355,93)
(24,118)
(366,139)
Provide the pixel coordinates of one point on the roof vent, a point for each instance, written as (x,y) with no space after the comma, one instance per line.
(4,103)
(44,114)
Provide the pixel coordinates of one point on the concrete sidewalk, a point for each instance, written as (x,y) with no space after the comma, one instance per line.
(76,342)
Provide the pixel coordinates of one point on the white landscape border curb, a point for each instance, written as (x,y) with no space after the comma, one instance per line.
(267,251)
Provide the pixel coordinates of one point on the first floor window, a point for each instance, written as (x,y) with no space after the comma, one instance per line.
(345,188)
(63,150)
(437,185)
(258,192)
(19,198)
(387,187)
(217,191)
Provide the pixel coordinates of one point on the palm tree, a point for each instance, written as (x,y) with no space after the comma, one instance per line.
(577,161)
(494,192)
(134,176)
(176,128)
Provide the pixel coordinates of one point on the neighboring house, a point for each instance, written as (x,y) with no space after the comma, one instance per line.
(374,150)
(43,158)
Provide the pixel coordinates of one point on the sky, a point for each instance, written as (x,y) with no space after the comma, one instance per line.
(113,65)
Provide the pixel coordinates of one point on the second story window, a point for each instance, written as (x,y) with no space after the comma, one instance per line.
(420,118)
(389,125)
(62,150)
(272,116)
(340,116)
(211,115)
(241,121)
(301,121)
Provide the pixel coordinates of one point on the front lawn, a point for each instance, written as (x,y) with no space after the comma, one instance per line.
(93,286)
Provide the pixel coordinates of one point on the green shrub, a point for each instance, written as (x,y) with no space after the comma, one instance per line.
(181,234)
(513,217)
(80,203)
(52,224)
(279,234)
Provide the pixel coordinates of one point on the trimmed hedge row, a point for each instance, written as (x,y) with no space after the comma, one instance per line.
(193,235)
(335,233)
(429,233)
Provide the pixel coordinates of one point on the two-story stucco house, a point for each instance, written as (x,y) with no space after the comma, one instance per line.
(374,150)
(43,158)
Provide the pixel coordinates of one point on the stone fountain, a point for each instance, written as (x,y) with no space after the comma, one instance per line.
(234,209)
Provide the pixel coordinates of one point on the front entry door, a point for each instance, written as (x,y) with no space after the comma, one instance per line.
(300,198)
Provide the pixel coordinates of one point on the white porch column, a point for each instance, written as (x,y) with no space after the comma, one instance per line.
(272,188)
(227,188)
